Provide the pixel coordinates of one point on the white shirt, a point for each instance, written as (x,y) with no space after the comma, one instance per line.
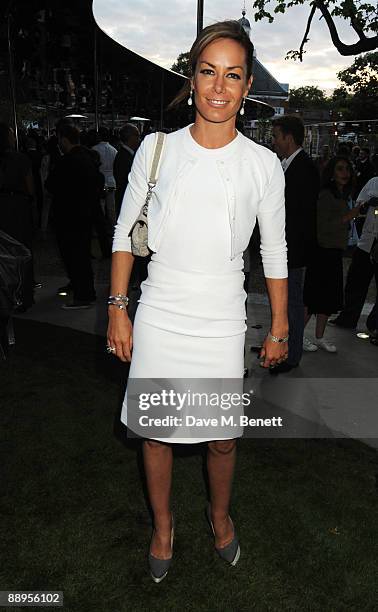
(193,282)
(107,155)
(250,176)
(287,161)
(370,229)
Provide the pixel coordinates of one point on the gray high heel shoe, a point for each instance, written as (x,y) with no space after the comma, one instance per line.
(159,567)
(231,552)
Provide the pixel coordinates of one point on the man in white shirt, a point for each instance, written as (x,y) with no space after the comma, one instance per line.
(107,155)
(361,269)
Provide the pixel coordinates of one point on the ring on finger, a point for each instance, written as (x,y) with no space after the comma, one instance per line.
(110,349)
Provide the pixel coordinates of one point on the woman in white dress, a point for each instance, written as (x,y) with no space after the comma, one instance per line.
(190,323)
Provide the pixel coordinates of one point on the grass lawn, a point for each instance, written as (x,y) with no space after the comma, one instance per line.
(74,515)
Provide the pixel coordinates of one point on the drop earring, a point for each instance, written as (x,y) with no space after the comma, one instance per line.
(190,99)
(242,107)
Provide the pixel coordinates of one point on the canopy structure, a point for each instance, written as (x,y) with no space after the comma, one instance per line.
(64,63)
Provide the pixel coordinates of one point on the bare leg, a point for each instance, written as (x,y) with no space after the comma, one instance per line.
(307,316)
(221,457)
(321,322)
(158,468)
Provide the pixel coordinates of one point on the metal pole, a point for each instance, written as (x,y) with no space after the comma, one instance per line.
(48,120)
(162,100)
(12,80)
(95,61)
(199,16)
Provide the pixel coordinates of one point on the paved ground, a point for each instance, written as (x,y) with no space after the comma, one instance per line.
(332,394)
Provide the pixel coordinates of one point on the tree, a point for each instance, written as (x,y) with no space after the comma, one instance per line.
(182,65)
(360,82)
(307,97)
(340,103)
(362,16)
(362,75)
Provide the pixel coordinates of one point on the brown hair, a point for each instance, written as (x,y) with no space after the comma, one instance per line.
(291,124)
(327,177)
(223,29)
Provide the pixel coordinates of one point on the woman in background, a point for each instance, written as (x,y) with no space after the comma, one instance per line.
(323,288)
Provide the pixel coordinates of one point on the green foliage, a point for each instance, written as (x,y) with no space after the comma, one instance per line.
(307,97)
(360,83)
(182,65)
(363,14)
(340,102)
(362,17)
(362,75)
(357,97)
(340,97)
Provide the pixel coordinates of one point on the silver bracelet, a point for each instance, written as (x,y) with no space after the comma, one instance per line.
(119,305)
(277,339)
(119,298)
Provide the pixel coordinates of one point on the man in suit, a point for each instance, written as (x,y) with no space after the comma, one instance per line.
(130,138)
(75,184)
(301,195)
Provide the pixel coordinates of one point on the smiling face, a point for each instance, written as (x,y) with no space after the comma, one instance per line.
(220,82)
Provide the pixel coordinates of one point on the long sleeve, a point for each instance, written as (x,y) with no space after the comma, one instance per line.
(133,200)
(271,218)
(301,195)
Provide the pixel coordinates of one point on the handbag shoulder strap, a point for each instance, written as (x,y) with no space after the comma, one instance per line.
(157,156)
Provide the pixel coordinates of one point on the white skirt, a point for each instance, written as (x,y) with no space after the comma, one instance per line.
(161,354)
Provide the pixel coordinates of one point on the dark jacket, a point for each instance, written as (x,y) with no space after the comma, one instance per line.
(302,185)
(75,184)
(121,170)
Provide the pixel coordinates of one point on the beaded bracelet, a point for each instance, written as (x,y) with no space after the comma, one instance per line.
(277,339)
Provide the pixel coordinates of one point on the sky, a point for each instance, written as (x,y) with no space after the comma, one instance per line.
(160,31)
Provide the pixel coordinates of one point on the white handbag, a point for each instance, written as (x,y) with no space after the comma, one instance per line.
(139,230)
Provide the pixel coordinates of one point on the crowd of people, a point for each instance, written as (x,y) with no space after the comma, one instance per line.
(326,204)
(75,181)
